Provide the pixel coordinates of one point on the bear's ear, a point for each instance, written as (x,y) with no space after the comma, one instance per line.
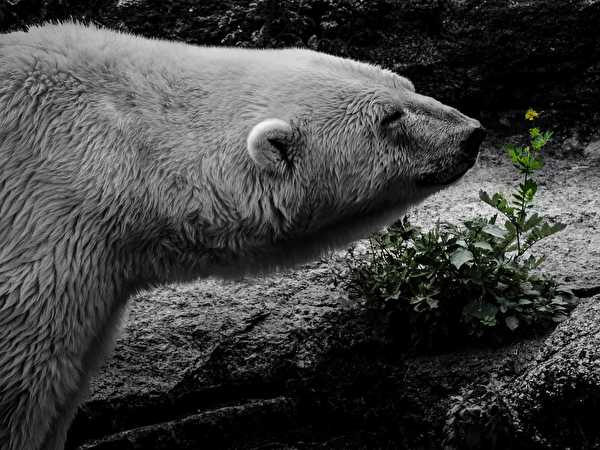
(269,143)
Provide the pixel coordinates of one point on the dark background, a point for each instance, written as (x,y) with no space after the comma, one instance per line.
(484,57)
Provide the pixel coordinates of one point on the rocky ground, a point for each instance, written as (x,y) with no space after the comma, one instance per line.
(291,362)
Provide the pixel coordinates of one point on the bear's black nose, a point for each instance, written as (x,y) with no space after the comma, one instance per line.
(471,144)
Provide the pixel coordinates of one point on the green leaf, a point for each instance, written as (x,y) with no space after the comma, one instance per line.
(512,150)
(536,163)
(462,243)
(512,322)
(432,302)
(481,311)
(494,230)
(497,201)
(533,221)
(543,231)
(483,245)
(485,197)
(532,293)
(460,256)
(566,290)
(528,188)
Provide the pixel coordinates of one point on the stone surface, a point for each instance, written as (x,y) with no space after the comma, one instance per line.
(553,404)
(557,400)
(592,151)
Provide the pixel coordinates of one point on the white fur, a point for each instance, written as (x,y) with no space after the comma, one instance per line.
(124,162)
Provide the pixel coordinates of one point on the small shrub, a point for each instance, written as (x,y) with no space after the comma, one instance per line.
(480,418)
(521,229)
(471,279)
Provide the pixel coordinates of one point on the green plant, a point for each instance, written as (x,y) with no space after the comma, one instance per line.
(522,229)
(480,417)
(468,279)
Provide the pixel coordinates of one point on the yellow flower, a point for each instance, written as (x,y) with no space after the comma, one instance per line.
(531,114)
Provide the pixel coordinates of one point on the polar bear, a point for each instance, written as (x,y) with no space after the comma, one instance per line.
(127,162)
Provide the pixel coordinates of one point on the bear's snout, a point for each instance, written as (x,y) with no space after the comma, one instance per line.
(472,143)
(447,170)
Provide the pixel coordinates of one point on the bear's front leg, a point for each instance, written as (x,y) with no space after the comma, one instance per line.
(48,377)
(35,404)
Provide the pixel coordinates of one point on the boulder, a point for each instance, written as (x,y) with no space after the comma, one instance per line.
(553,404)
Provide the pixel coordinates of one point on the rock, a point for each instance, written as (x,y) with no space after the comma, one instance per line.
(128,3)
(553,404)
(311,369)
(219,428)
(592,151)
(557,400)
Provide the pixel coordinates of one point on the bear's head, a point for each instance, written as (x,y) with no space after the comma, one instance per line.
(318,151)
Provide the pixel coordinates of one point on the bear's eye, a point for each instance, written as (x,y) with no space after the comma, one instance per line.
(393,128)
(392,117)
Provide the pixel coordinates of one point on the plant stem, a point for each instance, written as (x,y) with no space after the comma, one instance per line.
(522,212)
